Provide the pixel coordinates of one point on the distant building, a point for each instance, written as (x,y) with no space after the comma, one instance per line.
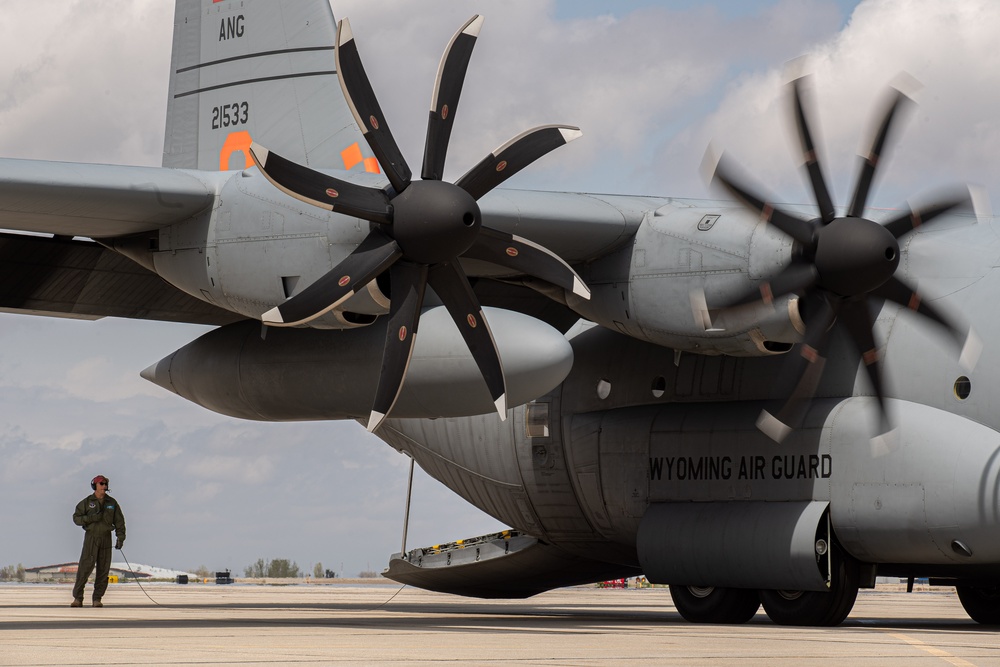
(66,572)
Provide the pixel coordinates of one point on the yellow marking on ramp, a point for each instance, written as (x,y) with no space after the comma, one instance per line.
(933,650)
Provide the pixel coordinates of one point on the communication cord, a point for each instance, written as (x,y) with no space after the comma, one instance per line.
(389,600)
(136,580)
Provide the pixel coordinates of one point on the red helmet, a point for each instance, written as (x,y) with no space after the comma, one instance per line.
(96,480)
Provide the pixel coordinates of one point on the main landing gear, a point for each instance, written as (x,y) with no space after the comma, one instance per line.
(731,605)
(709,604)
(982,604)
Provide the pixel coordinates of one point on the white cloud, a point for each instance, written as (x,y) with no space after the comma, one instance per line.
(84,80)
(231,468)
(627,82)
(951,137)
(100,379)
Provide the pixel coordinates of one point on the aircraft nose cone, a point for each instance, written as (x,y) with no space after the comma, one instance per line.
(159,373)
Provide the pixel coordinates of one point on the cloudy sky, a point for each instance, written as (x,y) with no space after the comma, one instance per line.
(650,83)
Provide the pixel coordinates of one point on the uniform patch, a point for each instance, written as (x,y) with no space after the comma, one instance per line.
(92,505)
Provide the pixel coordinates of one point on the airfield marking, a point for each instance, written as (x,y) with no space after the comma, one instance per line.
(933,650)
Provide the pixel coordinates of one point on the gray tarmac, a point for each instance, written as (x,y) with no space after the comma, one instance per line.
(303,624)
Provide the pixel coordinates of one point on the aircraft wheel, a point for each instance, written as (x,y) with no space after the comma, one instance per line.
(815,607)
(709,604)
(981,604)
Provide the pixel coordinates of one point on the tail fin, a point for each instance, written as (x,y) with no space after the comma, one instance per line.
(260,70)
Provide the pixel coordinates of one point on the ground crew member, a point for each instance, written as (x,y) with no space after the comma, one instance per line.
(98,514)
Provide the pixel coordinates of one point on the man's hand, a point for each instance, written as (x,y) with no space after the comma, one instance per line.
(119,542)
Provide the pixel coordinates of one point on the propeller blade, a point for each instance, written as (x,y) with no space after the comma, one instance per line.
(524,256)
(514,156)
(373,256)
(899,292)
(798,229)
(796,277)
(912,219)
(812,164)
(806,364)
(870,163)
(320,190)
(452,287)
(444,101)
(858,320)
(408,282)
(367,113)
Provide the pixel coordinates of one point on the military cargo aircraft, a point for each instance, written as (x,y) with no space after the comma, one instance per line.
(721,395)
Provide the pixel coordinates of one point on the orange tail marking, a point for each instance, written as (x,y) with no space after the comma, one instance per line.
(352,157)
(236,141)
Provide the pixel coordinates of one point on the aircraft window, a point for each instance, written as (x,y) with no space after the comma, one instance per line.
(536,423)
(603,389)
(659,387)
(963,387)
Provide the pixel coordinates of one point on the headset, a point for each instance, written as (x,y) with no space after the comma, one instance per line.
(100,478)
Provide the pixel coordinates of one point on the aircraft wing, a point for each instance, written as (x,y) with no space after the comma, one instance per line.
(82,279)
(96,200)
(58,276)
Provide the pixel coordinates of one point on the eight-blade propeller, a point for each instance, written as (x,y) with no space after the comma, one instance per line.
(425,225)
(841,265)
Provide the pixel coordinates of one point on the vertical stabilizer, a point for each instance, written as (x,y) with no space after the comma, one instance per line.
(259,70)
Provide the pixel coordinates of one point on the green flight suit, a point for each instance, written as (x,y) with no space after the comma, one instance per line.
(98,518)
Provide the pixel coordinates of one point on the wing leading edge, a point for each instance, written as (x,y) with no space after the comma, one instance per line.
(96,200)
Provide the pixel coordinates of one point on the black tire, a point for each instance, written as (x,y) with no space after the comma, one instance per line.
(815,608)
(707,604)
(981,604)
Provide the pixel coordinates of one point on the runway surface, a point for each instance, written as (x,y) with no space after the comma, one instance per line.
(358,624)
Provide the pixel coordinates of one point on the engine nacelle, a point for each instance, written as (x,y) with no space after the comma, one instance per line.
(255,248)
(685,258)
(308,374)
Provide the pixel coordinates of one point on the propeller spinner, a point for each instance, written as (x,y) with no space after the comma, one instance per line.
(423,226)
(841,268)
